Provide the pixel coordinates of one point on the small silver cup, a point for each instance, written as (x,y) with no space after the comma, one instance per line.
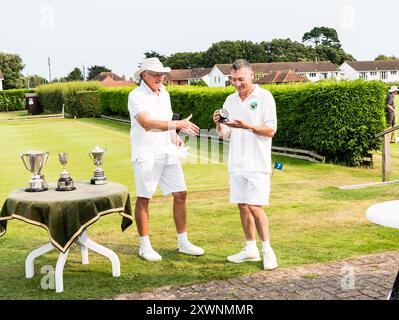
(65,182)
(97,155)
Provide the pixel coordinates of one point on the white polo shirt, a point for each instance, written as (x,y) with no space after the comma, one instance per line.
(152,144)
(250,152)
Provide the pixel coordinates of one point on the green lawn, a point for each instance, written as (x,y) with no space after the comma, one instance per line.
(311,219)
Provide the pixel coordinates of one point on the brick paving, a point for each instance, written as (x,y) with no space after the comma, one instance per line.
(367,277)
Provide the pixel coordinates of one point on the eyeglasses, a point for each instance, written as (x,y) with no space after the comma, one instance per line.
(157,74)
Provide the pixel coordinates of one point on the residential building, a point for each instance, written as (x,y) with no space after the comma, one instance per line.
(110,79)
(281,77)
(188,76)
(384,70)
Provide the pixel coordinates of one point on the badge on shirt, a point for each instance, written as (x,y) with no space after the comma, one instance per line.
(253,105)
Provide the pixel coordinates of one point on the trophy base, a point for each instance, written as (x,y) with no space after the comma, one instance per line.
(35,190)
(98,182)
(65,189)
(65,184)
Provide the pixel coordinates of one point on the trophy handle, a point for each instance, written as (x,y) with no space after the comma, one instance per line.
(23,160)
(91,157)
(45,159)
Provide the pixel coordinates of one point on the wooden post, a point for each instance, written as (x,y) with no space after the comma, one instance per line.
(386,151)
(386,157)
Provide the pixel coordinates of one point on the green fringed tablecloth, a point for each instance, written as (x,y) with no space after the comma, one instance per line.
(65,214)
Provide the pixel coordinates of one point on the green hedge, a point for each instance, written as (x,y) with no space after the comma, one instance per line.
(87,104)
(53,96)
(13,100)
(113,101)
(337,119)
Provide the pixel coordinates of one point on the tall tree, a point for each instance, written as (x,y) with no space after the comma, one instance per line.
(95,70)
(154,54)
(33,81)
(11,66)
(286,50)
(229,51)
(322,36)
(75,75)
(185,60)
(384,57)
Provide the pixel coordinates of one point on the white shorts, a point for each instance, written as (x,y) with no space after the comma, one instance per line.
(148,174)
(250,188)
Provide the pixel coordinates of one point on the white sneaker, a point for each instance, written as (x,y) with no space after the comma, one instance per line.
(149,254)
(190,249)
(269,260)
(244,255)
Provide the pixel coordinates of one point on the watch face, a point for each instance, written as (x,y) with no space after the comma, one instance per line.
(223,113)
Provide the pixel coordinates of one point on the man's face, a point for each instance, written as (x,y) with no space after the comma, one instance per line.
(153,79)
(242,80)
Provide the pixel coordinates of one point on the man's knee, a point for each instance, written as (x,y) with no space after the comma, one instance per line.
(180,196)
(140,201)
(255,210)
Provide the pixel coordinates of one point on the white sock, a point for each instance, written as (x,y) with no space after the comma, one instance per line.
(145,242)
(182,239)
(251,245)
(266,245)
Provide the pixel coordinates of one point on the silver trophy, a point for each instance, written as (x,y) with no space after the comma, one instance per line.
(224,115)
(34,162)
(97,155)
(65,182)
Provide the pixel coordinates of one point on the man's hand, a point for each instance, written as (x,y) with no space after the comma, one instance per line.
(241,124)
(187,126)
(216,116)
(178,141)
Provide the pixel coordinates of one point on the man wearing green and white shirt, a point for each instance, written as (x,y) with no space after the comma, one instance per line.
(251,126)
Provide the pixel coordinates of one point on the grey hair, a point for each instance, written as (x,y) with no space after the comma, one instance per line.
(241,63)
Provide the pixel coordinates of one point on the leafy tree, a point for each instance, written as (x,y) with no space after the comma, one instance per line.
(337,56)
(286,50)
(95,70)
(229,51)
(322,36)
(154,54)
(185,60)
(75,75)
(34,81)
(384,57)
(11,66)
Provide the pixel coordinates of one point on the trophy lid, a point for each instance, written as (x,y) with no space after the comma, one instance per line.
(97,150)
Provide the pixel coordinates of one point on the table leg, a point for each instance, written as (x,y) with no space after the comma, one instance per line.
(59,270)
(30,259)
(84,251)
(394,294)
(90,244)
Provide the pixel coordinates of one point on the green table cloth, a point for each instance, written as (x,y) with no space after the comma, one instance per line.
(65,214)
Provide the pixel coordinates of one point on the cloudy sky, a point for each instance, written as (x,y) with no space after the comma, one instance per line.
(116,33)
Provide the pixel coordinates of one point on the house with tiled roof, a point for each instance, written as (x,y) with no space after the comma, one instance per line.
(281,77)
(110,79)
(1,80)
(188,76)
(313,71)
(385,70)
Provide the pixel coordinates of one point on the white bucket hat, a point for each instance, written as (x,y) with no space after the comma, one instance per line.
(151,64)
(393,89)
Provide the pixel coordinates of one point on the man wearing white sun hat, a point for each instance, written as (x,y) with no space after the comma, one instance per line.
(153,135)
